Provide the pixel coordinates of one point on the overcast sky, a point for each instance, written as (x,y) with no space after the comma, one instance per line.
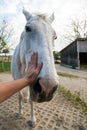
(64,10)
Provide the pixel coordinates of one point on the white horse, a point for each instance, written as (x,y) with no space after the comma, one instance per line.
(38,36)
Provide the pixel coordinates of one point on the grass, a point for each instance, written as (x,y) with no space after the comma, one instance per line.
(6,66)
(74,98)
(69,75)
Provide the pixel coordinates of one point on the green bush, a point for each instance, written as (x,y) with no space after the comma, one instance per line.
(6,66)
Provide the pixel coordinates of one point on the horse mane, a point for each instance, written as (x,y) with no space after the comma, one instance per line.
(42,16)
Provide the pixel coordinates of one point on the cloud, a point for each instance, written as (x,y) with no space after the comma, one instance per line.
(63,9)
(7,7)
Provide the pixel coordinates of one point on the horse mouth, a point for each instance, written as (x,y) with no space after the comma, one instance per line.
(37,94)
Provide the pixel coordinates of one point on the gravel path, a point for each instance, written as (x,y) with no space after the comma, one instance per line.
(75,85)
(80,73)
(58,114)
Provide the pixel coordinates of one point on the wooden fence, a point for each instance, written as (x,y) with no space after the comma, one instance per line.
(6,58)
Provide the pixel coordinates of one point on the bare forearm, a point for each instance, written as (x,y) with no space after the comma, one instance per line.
(7,89)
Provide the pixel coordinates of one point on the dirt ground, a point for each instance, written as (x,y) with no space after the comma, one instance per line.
(58,114)
(80,73)
(75,85)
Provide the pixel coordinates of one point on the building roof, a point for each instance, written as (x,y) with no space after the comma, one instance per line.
(75,41)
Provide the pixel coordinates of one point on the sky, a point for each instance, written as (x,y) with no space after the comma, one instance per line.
(64,10)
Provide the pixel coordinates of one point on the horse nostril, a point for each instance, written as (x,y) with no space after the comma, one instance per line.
(54,89)
(37,87)
(28,29)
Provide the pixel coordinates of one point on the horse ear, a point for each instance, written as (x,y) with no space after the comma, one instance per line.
(52,17)
(27,14)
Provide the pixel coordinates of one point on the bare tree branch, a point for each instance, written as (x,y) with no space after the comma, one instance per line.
(76,29)
(5,35)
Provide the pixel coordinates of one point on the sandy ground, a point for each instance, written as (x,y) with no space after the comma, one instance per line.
(80,73)
(75,85)
(58,114)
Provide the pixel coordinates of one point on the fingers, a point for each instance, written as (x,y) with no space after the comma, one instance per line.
(33,68)
(36,71)
(39,67)
(34,59)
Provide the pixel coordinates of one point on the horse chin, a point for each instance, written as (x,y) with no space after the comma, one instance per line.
(39,96)
(43,98)
(36,97)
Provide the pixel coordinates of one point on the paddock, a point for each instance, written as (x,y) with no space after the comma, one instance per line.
(58,114)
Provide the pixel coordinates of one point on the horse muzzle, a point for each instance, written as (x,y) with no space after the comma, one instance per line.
(43,89)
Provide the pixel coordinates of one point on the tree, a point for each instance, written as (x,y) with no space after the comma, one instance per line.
(56,56)
(76,29)
(5,35)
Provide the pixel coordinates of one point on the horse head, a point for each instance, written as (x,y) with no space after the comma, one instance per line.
(38,36)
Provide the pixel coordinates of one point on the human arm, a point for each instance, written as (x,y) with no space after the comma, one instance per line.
(7,89)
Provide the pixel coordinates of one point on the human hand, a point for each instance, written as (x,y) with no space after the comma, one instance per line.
(33,68)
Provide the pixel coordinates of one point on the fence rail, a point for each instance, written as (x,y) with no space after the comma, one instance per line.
(5,58)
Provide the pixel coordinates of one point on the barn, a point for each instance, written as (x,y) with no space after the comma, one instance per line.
(75,54)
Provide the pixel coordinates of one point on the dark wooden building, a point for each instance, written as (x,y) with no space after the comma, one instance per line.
(75,54)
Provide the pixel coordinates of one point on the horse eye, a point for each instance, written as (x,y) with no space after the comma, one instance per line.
(28,29)
(55,37)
